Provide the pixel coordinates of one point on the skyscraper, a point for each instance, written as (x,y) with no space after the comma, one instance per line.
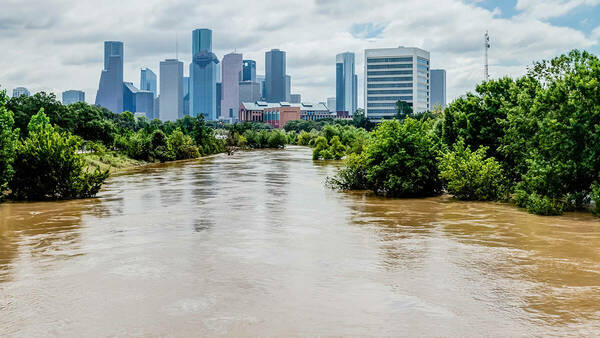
(17,92)
(232,70)
(295,98)
(249,70)
(110,89)
(331,105)
(288,88)
(438,87)
(275,82)
(72,96)
(392,75)
(148,80)
(203,76)
(345,83)
(171,90)
(263,85)
(250,91)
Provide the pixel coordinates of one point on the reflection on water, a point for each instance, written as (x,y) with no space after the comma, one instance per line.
(254,244)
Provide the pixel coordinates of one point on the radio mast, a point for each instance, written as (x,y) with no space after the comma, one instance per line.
(486,46)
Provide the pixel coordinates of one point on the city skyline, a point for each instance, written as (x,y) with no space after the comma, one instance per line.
(72,59)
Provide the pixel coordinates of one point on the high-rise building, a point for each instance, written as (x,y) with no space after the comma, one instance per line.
(355,95)
(392,75)
(438,87)
(203,76)
(331,104)
(148,80)
(295,98)
(139,102)
(186,95)
(275,81)
(263,85)
(345,83)
(72,96)
(230,87)
(249,71)
(19,91)
(110,89)
(171,90)
(249,91)
(288,88)
(219,97)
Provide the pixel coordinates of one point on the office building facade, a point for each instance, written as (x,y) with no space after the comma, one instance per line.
(392,75)
(203,76)
(171,90)
(331,104)
(110,89)
(295,98)
(275,76)
(20,91)
(438,88)
(249,70)
(148,81)
(345,82)
(288,88)
(230,90)
(72,96)
(249,92)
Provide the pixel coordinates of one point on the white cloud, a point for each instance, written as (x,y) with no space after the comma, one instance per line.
(64,49)
(551,8)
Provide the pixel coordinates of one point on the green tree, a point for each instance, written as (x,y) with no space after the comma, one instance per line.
(182,146)
(471,175)
(47,165)
(403,110)
(8,144)
(401,159)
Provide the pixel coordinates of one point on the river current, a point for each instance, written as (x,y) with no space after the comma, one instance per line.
(254,244)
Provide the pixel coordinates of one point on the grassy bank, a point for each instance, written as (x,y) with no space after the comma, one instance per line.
(112,160)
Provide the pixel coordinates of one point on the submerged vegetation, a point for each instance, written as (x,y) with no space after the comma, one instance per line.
(534,140)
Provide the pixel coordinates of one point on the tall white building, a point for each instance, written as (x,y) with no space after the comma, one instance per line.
(396,74)
(171,90)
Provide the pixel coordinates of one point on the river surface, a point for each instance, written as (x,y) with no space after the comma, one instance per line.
(255,245)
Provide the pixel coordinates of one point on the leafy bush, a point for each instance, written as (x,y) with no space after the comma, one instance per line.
(182,146)
(159,148)
(401,159)
(277,139)
(470,175)
(544,205)
(305,137)
(353,176)
(47,165)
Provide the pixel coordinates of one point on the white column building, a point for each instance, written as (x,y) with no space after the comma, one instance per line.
(396,74)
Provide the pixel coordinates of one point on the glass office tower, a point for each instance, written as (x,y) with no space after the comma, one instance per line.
(438,87)
(249,71)
(72,96)
(231,68)
(275,81)
(345,83)
(148,80)
(171,90)
(203,76)
(110,89)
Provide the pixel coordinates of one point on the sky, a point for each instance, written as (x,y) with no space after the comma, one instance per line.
(57,45)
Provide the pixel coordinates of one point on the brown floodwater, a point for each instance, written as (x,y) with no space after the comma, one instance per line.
(255,245)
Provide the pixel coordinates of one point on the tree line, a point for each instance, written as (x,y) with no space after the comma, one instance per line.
(534,140)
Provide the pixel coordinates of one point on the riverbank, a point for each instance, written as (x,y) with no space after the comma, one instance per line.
(113,161)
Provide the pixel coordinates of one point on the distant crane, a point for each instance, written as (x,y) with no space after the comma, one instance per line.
(486,46)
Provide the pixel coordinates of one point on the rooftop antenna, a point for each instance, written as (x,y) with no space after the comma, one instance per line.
(486,46)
